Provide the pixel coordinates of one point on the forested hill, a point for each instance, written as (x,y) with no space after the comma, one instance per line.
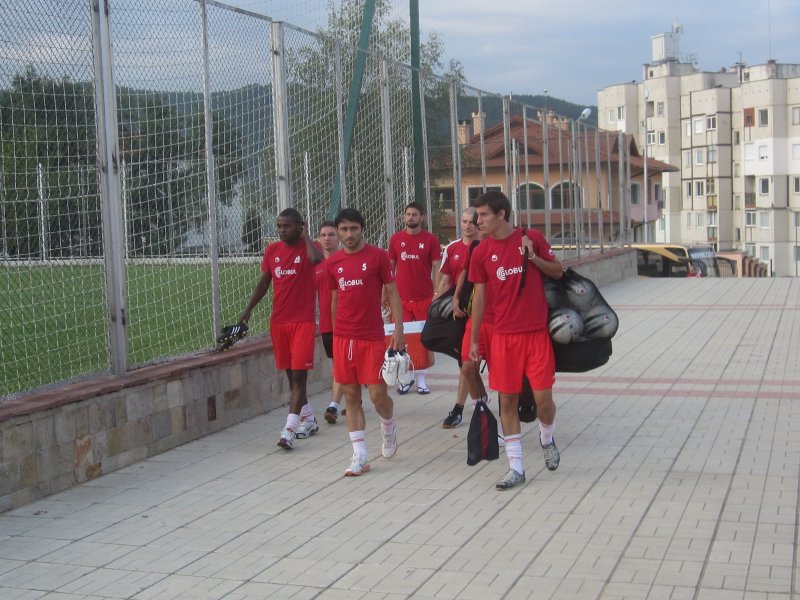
(493,107)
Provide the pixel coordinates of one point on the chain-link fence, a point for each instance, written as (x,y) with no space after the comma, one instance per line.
(145,153)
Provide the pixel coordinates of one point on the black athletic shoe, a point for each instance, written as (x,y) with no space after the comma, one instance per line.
(331,414)
(452,421)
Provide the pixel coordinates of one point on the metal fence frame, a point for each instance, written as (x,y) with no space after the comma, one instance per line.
(384,113)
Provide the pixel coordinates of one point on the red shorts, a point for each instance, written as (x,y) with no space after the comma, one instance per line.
(293,345)
(484,341)
(416,310)
(357,361)
(518,354)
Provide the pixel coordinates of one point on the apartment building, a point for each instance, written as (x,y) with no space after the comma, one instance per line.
(735,134)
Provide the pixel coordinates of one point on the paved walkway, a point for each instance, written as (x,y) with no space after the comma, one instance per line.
(678,479)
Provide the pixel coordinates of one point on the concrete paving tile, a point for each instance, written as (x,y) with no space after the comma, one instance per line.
(42,576)
(176,587)
(112,583)
(18,594)
(28,548)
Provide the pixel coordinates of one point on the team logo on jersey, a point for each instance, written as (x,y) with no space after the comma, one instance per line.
(346,283)
(502,272)
(297,260)
(277,259)
(494,257)
(340,270)
(407,256)
(455,257)
(402,244)
(282,272)
(422,245)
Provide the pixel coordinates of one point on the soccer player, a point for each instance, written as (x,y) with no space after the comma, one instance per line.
(513,266)
(358,274)
(328,240)
(414,253)
(289,265)
(454,263)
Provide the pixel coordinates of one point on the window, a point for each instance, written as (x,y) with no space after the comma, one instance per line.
(749,151)
(473,192)
(795,150)
(796,115)
(762,153)
(651,138)
(796,253)
(750,218)
(687,158)
(531,197)
(445,198)
(750,249)
(699,156)
(612,116)
(620,113)
(698,125)
(711,186)
(796,185)
(659,109)
(657,192)
(711,154)
(763,253)
(634,193)
(712,218)
(736,138)
(688,129)
(701,219)
(662,138)
(763,186)
(688,189)
(763,117)
(763,219)
(662,224)
(688,220)
(749,117)
(797,219)
(699,188)
(711,122)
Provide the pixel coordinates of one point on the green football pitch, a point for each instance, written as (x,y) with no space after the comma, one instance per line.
(54,321)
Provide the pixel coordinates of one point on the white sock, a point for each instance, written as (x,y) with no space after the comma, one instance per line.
(292,421)
(359,445)
(387,425)
(514,452)
(500,428)
(333,405)
(307,411)
(546,432)
(419,377)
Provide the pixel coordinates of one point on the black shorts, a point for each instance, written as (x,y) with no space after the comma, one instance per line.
(327,343)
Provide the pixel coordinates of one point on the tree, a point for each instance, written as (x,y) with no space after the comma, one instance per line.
(48,144)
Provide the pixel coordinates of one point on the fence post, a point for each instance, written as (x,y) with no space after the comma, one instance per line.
(281,119)
(600,229)
(109,186)
(548,198)
(507,142)
(388,172)
(341,166)
(528,176)
(3,235)
(44,245)
(482,122)
(456,154)
(211,179)
(426,169)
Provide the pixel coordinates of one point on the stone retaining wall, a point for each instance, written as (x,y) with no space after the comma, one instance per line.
(55,438)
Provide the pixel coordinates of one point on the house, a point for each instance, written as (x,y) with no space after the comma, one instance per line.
(592,187)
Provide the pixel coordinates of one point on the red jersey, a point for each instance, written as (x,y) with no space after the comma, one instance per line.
(498,264)
(414,256)
(454,260)
(291,272)
(358,280)
(324,297)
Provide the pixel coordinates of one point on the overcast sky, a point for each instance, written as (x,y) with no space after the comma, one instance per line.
(573,48)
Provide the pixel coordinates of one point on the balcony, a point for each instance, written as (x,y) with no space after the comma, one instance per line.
(711,202)
(711,234)
(750,200)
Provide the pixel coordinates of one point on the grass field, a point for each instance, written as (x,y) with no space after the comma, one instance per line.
(54,325)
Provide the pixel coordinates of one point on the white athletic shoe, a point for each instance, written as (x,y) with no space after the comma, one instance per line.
(396,368)
(389,447)
(307,428)
(358,465)
(287,438)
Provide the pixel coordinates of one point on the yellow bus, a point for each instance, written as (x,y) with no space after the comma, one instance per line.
(675,260)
